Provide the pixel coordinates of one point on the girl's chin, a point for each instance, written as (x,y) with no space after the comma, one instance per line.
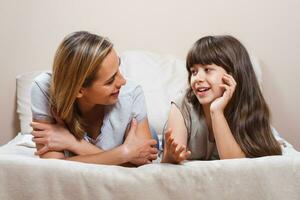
(205,101)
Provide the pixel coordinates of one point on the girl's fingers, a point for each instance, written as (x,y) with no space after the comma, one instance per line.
(179,152)
(230,80)
(173,147)
(228,90)
(168,133)
(187,154)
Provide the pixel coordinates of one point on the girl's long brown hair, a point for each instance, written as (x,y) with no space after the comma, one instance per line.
(247,113)
(76,62)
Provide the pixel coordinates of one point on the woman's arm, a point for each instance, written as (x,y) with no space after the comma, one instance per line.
(134,148)
(39,146)
(56,137)
(143,132)
(175,138)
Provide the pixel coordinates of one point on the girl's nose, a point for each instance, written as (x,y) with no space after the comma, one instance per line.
(200,75)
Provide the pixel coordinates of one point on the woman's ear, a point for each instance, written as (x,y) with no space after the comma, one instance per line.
(80,93)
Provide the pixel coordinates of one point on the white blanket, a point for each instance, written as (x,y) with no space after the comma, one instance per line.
(24,176)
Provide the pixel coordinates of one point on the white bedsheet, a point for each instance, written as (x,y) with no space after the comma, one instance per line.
(24,176)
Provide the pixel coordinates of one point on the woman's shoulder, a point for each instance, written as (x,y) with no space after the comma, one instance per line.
(41,83)
(43,80)
(131,89)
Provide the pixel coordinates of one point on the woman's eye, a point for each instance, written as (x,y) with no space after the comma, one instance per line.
(110,82)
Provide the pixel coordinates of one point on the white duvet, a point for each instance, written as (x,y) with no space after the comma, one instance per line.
(25,176)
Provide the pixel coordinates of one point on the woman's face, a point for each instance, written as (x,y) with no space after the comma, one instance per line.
(205,82)
(105,89)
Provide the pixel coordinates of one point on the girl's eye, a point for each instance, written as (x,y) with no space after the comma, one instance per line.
(207,69)
(193,72)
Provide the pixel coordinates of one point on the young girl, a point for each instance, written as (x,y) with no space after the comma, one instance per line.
(85,106)
(223,114)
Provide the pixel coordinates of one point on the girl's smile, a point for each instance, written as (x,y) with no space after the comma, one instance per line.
(205,82)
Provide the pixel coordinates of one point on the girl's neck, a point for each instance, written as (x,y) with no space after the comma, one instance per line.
(206,110)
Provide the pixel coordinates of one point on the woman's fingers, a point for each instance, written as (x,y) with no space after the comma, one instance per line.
(152,157)
(152,142)
(43,150)
(39,126)
(153,150)
(38,134)
(39,140)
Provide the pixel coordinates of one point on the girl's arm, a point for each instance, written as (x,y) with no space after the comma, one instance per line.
(226,144)
(175,138)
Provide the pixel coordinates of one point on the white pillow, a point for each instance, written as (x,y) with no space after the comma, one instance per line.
(163,78)
(24,82)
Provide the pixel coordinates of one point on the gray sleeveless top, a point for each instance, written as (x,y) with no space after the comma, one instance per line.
(198,135)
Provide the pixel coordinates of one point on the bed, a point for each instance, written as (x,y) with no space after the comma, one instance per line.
(25,176)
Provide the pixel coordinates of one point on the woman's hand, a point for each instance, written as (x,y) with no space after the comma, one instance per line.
(52,137)
(138,150)
(173,152)
(220,103)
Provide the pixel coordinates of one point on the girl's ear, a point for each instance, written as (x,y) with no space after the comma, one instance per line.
(80,93)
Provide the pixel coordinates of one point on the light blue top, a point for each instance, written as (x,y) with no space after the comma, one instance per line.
(131,104)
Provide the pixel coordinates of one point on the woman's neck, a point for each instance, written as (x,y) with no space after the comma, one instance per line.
(92,116)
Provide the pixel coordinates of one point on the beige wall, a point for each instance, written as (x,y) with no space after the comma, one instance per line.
(32,29)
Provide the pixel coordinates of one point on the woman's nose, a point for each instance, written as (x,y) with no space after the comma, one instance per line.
(121,80)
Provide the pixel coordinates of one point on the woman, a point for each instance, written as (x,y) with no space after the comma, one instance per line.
(86,107)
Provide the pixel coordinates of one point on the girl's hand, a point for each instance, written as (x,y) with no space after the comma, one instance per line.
(139,151)
(220,103)
(173,152)
(53,137)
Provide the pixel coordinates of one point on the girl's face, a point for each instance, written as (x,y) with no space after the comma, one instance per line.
(105,89)
(205,82)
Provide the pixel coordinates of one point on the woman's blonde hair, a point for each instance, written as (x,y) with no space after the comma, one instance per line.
(76,62)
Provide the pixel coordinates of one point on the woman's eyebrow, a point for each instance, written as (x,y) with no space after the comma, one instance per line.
(111,78)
